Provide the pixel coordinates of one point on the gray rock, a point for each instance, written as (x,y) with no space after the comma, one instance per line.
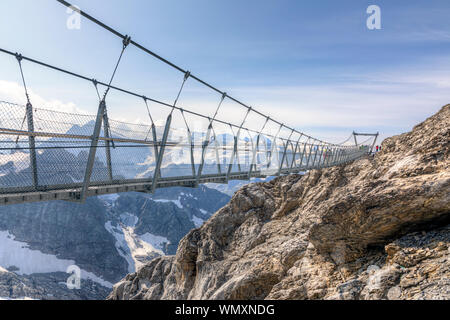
(335,233)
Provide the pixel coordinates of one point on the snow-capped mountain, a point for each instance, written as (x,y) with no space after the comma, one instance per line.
(107,237)
(234,185)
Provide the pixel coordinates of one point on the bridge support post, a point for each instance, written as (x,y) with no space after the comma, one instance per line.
(326,157)
(108,145)
(321,162)
(348,156)
(286,159)
(280,163)
(351,155)
(303,154)
(374,141)
(340,156)
(216,149)
(331,157)
(295,153)
(233,154)
(235,147)
(92,150)
(256,149)
(32,145)
(309,157)
(204,146)
(315,156)
(285,152)
(323,157)
(273,147)
(335,155)
(336,152)
(191,142)
(157,173)
(344,156)
(247,155)
(155,142)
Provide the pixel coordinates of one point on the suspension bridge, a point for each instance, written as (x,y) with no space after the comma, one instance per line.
(51,155)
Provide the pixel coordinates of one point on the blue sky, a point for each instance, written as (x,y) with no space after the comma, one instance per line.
(311,64)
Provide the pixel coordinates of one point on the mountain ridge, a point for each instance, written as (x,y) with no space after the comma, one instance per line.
(345,232)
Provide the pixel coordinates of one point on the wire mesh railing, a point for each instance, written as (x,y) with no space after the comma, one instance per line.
(62,146)
(43,150)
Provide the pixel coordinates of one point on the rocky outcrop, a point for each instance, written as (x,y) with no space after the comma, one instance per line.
(345,232)
(47,286)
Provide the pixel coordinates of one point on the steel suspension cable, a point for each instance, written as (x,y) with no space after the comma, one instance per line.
(148,110)
(19,60)
(125,43)
(151,119)
(127,91)
(341,143)
(118,34)
(186,76)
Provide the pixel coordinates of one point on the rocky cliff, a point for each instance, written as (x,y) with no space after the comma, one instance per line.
(373,229)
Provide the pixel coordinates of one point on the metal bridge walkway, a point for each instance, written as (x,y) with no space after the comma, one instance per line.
(51,155)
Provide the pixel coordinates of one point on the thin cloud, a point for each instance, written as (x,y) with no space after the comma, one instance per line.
(15,93)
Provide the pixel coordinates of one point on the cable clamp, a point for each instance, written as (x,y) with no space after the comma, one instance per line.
(126,41)
(187,75)
(224,95)
(19,57)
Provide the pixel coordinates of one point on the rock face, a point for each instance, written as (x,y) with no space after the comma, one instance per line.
(373,229)
(68,231)
(48,286)
(107,237)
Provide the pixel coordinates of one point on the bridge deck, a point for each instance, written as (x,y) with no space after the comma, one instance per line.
(73,192)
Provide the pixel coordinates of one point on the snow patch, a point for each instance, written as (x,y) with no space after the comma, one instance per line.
(140,247)
(129,219)
(121,244)
(20,160)
(109,197)
(156,242)
(133,247)
(198,222)
(177,202)
(18,254)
